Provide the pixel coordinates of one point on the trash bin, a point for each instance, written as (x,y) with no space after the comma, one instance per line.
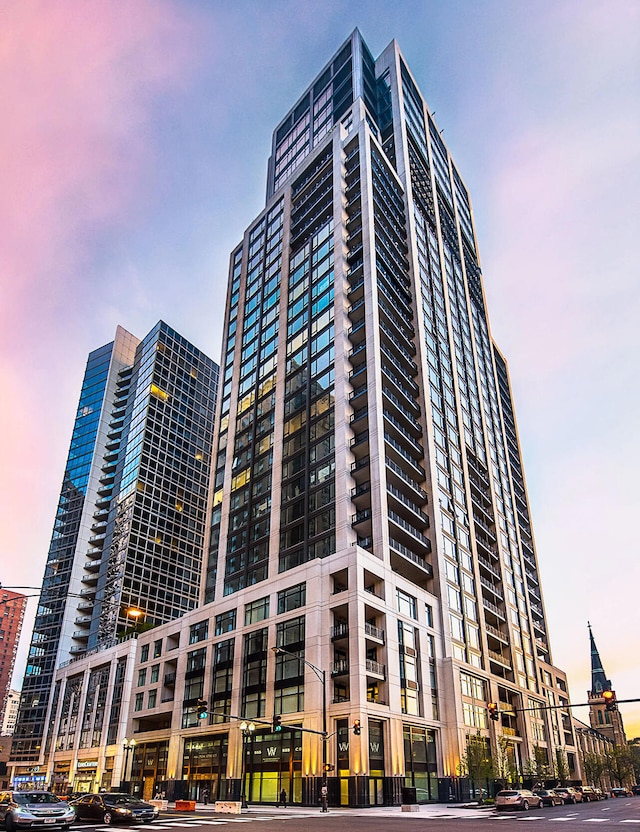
(409,795)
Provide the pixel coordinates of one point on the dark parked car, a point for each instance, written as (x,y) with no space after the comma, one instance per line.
(636,789)
(114,807)
(619,792)
(34,809)
(549,797)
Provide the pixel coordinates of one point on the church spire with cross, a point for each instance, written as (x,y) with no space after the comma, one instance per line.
(604,721)
(599,681)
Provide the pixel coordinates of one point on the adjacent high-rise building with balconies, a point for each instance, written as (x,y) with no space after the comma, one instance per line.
(130,524)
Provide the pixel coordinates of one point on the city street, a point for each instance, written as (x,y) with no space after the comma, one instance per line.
(618,814)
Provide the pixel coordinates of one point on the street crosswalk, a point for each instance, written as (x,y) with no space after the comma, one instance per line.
(204,820)
(197,821)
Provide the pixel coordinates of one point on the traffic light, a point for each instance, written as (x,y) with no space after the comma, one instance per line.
(492,707)
(203,709)
(328,767)
(609,700)
(356,726)
(277,723)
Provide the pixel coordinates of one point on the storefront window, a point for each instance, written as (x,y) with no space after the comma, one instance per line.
(204,766)
(420,763)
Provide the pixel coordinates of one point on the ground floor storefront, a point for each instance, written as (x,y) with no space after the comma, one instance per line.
(271,767)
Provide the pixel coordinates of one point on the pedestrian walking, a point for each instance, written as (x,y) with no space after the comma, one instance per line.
(205,796)
(283,799)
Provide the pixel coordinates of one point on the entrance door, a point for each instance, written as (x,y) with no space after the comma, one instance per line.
(376,797)
(147,788)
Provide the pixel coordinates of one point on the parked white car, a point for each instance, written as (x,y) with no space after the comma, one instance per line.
(517,799)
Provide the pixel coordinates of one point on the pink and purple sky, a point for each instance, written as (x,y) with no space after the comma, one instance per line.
(133,154)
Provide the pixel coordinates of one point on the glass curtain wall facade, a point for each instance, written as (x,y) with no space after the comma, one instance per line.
(130,523)
(51,637)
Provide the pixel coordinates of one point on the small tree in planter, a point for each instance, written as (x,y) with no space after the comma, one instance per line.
(561,766)
(476,762)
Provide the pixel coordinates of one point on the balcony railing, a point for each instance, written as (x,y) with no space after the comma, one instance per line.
(375,668)
(374,632)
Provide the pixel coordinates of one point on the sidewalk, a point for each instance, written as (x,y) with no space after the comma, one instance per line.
(434,810)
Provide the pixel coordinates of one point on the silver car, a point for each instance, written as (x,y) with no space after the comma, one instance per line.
(34,809)
(517,799)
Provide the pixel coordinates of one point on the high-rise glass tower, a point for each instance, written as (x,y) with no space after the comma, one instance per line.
(369,500)
(130,523)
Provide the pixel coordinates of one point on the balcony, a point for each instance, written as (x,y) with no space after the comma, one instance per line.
(406,479)
(357,332)
(358,393)
(490,548)
(374,633)
(94,553)
(406,347)
(360,465)
(376,670)
(496,633)
(359,415)
(490,533)
(416,513)
(505,661)
(486,564)
(539,627)
(360,443)
(340,668)
(494,610)
(416,537)
(496,590)
(362,490)
(340,630)
(411,421)
(404,437)
(407,563)
(408,463)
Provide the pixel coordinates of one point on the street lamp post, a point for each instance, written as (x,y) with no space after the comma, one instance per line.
(246,729)
(128,746)
(134,613)
(322,676)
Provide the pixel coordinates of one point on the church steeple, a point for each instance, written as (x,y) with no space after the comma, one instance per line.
(599,681)
(603,719)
